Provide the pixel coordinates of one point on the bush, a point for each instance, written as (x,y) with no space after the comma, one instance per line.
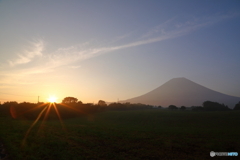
(237,106)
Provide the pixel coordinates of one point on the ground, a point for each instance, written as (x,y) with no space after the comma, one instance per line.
(143,134)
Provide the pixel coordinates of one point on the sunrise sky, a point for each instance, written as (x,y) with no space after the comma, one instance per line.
(115,49)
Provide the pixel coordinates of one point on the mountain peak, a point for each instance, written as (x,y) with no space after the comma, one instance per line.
(179,79)
(182,91)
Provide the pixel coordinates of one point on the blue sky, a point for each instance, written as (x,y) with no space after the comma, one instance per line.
(104,49)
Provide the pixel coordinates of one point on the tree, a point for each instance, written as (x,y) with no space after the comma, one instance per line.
(172,107)
(214,106)
(10,103)
(183,108)
(102,103)
(237,106)
(69,100)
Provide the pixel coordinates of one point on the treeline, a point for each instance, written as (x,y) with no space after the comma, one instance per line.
(71,107)
(207,106)
(64,110)
(47,111)
(127,106)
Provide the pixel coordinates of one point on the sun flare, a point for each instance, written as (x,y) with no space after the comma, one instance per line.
(52,99)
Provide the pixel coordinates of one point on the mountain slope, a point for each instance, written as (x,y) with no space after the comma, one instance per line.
(181,91)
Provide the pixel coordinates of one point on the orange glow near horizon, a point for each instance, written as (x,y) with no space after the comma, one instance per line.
(52,99)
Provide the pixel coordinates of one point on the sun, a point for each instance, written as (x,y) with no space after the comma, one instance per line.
(52,99)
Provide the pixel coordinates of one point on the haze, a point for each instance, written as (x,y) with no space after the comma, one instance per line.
(114,50)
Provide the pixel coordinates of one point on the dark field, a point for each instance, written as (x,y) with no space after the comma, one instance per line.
(141,134)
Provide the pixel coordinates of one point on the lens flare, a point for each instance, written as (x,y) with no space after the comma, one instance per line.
(52,99)
(44,113)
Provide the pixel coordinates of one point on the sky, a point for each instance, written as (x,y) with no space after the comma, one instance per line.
(115,49)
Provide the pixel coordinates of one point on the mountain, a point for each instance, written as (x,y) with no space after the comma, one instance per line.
(183,92)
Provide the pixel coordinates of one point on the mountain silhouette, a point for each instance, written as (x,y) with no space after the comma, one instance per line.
(183,92)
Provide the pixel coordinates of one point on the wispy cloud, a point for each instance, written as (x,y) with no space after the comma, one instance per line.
(27,56)
(172,28)
(161,28)
(75,54)
(75,67)
(168,30)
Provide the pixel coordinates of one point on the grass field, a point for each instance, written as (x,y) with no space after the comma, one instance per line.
(142,134)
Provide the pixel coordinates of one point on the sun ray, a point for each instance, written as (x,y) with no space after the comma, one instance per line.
(77,110)
(17,114)
(59,116)
(45,117)
(28,131)
(50,107)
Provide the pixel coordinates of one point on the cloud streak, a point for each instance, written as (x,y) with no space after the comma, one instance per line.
(168,30)
(28,55)
(67,56)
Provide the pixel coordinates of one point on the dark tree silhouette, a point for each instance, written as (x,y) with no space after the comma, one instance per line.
(237,106)
(183,108)
(172,107)
(10,103)
(127,106)
(69,100)
(214,106)
(102,103)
